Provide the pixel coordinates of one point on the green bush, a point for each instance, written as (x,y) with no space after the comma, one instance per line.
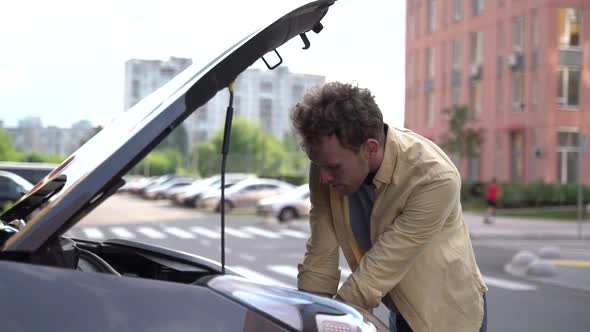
(534,194)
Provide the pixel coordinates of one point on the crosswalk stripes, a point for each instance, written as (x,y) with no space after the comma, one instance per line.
(286,270)
(237,233)
(151,233)
(122,232)
(344,272)
(187,233)
(247,232)
(295,234)
(291,271)
(205,232)
(259,277)
(261,232)
(181,233)
(93,233)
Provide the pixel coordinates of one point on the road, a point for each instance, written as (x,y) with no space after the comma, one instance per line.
(269,253)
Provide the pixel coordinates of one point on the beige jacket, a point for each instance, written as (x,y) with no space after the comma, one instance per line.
(421,254)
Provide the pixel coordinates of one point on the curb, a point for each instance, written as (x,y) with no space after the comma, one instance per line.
(479,236)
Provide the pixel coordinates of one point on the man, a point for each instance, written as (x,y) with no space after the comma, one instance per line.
(389,199)
(491,198)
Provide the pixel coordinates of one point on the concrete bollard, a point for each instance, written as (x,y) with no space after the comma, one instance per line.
(549,252)
(523,259)
(541,268)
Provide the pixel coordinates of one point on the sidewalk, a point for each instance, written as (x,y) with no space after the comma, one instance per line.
(524,228)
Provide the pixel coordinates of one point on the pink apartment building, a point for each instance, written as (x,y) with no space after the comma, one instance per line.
(521,67)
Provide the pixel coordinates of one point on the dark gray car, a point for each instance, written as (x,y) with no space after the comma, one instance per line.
(54,283)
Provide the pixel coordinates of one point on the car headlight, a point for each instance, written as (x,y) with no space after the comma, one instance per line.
(344,323)
(296,309)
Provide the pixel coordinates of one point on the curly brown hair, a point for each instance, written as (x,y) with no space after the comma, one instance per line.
(344,110)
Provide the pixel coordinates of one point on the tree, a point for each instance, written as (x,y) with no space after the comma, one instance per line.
(298,163)
(38,157)
(7,150)
(462,139)
(251,150)
(177,140)
(159,162)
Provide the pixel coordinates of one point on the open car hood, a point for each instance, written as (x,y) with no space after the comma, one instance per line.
(95,170)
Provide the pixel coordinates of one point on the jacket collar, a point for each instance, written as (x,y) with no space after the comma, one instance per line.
(384,174)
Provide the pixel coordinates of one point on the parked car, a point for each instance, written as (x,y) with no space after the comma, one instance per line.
(158,191)
(32,172)
(244,194)
(12,188)
(193,193)
(57,283)
(290,205)
(137,187)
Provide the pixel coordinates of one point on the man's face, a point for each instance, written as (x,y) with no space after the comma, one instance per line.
(343,169)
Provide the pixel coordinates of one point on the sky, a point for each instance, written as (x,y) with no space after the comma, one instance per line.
(63,60)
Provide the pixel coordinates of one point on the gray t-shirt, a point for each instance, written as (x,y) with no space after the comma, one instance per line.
(360,205)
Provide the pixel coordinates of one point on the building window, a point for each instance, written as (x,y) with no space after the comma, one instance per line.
(568,86)
(266,113)
(429,63)
(456,54)
(135,89)
(476,47)
(297,91)
(517,91)
(499,94)
(518,33)
(475,105)
(568,154)
(431,15)
(428,119)
(202,114)
(266,86)
(534,90)
(477,6)
(569,27)
(457,10)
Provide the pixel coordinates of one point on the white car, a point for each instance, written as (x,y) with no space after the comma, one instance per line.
(244,194)
(158,191)
(192,193)
(292,204)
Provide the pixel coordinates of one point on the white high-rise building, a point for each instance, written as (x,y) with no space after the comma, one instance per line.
(262,96)
(143,77)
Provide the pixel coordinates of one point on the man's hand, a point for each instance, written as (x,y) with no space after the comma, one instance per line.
(315,293)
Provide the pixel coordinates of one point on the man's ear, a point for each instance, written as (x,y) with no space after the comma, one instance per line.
(371,146)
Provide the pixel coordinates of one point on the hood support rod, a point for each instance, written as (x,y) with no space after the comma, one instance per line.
(224,151)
